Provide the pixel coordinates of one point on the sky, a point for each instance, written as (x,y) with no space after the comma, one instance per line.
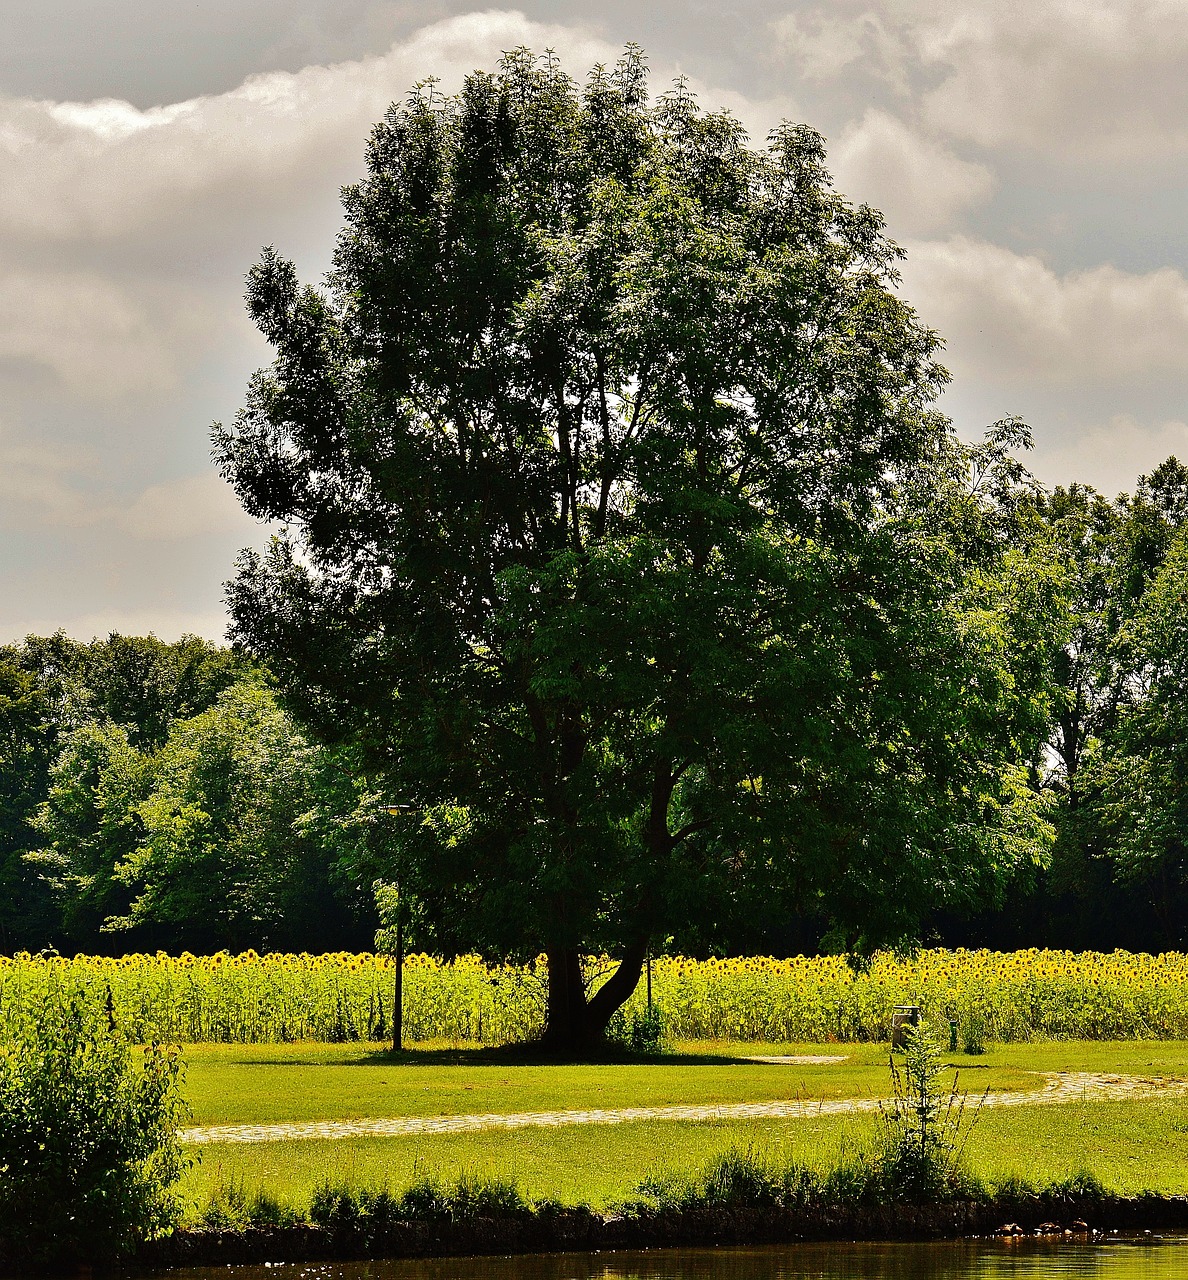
(1030,157)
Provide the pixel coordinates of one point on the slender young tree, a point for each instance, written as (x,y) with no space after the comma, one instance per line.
(617,533)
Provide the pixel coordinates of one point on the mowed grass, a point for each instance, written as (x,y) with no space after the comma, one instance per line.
(257,1084)
(1130,1145)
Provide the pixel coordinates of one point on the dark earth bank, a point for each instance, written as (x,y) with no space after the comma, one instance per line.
(551,1231)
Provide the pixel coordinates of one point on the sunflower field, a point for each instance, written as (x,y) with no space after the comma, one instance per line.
(250,998)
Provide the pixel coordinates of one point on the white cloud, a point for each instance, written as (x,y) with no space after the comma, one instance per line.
(1010,315)
(1056,75)
(106,169)
(1092,457)
(37,481)
(48,485)
(919,184)
(826,43)
(185,508)
(1067,78)
(99,337)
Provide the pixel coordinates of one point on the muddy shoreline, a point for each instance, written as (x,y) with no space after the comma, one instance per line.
(580,1230)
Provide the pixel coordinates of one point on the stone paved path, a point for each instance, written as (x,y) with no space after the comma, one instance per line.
(1059,1087)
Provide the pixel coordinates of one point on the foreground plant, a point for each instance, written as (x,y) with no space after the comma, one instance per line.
(926,1126)
(89,1156)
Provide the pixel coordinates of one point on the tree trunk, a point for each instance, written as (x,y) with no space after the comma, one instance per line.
(576,1025)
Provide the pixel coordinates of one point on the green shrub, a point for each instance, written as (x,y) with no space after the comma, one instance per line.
(641,1032)
(89,1156)
(230,1207)
(740,1178)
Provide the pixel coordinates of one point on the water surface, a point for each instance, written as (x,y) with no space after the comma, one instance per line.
(1143,1259)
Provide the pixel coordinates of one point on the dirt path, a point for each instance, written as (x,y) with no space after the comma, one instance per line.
(1059,1087)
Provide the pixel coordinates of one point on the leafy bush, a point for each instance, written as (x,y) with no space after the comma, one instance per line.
(643,1031)
(740,1178)
(230,1207)
(89,1155)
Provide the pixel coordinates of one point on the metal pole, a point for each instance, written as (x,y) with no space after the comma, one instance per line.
(398,993)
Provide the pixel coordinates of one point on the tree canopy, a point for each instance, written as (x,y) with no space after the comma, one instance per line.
(622,540)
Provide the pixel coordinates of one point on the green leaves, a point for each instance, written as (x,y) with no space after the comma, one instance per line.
(89,1156)
(222,858)
(618,521)
(1143,769)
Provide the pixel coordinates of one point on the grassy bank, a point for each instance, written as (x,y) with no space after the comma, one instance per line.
(1131,1146)
(739,1197)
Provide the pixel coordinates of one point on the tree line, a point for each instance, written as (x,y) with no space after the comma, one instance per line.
(156,795)
(160,795)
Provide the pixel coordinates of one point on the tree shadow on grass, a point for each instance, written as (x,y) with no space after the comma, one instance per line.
(536,1055)
(509,1055)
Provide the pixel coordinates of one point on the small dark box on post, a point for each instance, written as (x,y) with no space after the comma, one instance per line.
(903,1016)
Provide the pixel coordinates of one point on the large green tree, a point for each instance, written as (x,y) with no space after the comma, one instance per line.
(621,540)
(1140,771)
(77,724)
(224,856)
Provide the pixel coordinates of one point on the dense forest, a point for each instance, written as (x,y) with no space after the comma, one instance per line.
(160,795)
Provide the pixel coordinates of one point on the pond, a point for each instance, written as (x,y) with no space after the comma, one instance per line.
(1028,1259)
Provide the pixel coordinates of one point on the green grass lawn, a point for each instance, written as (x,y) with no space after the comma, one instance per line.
(1130,1146)
(243,1084)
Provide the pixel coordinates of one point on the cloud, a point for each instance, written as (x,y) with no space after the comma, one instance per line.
(1056,75)
(37,480)
(1093,456)
(185,508)
(102,170)
(1010,315)
(1073,79)
(48,485)
(919,184)
(841,40)
(98,337)
(125,231)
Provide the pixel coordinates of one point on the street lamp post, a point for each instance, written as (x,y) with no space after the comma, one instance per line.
(398,983)
(398,991)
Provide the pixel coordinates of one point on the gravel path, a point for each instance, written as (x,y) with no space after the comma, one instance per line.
(1059,1087)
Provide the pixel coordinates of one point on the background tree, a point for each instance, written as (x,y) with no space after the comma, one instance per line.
(225,858)
(90,820)
(27,745)
(82,721)
(618,533)
(1141,769)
